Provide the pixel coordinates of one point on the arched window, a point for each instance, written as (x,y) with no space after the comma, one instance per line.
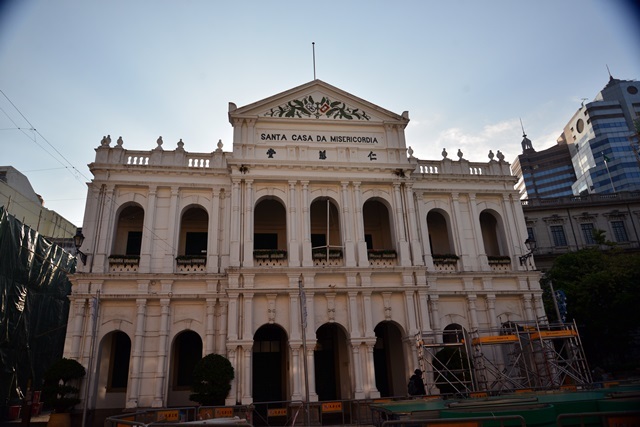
(128,236)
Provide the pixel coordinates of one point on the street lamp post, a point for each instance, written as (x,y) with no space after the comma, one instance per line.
(531,246)
(78,239)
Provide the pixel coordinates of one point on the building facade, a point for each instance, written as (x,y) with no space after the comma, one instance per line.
(20,200)
(603,140)
(568,224)
(318,241)
(543,174)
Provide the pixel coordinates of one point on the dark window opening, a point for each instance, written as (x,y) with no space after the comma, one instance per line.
(318,240)
(368,238)
(188,353)
(195,243)
(265,241)
(134,243)
(119,366)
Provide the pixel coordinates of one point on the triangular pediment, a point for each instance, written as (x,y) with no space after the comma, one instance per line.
(316,100)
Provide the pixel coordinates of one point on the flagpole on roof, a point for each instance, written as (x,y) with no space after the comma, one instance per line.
(606,165)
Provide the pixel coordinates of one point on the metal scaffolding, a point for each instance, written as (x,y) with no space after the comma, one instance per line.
(515,357)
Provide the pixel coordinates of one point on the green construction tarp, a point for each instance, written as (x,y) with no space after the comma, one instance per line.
(34,305)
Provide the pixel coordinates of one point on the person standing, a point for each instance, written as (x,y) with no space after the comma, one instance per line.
(416,385)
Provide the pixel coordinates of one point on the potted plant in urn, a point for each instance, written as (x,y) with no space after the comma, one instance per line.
(61,390)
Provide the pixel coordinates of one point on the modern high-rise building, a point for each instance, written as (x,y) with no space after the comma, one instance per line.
(599,144)
(543,174)
(602,140)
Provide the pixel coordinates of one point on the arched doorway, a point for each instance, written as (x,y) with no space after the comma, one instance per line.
(113,370)
(186,351)
(388,360)
(270,364)
(452,366)
(332,363)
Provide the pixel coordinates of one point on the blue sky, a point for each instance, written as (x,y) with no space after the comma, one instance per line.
(467,72)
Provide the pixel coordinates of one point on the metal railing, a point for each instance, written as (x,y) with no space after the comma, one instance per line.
(500,420)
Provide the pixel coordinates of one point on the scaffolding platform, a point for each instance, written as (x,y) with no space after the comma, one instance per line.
(512,358)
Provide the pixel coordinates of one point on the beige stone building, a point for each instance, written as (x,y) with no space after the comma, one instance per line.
(319,215)
(20,200)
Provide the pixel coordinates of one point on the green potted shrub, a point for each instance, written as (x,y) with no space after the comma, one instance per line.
(61,389)
(212,377)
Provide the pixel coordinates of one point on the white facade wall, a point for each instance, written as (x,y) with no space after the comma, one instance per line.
(228,295)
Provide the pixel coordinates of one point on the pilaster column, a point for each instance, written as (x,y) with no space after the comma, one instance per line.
(247,399)
(423,303)
(411,312)
(136,360)
(294,316)
(368,316)
(247,320)
(293,251)
(213,249)
(374,393)
(234,255)
(232,397)
(172,232)
(399,220)
(353,315)
(511,225)
(477,233)
(539,307)
(78,323)
(161,373)
(148,232)
(210,328)
(313,395)
(363,259)
(222,326)
(491,308)
(434,301)
(473,312)
(357,369)
(526,300)
(247,241)
(296,373)
(307,259)
(458,235)
(416,248)
(347,223)
(232,316)
(106,234)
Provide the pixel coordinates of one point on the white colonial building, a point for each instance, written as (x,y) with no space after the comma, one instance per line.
(198,253)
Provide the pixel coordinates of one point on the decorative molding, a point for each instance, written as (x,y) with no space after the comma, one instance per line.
(308,107)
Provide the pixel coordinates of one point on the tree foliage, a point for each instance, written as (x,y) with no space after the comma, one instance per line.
(604,300)
(212,377)
(59,389)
